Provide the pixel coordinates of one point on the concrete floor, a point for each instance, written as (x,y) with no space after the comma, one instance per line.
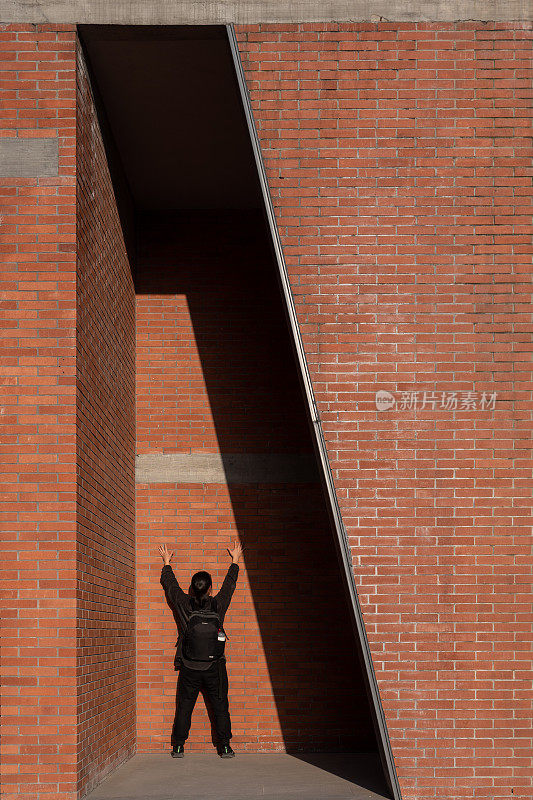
(269,776)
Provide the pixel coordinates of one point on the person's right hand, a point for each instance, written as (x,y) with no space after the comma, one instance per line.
(236,553)
(165,555)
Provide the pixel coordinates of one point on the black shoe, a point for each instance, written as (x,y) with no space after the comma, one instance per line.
(178,751)
(225,751)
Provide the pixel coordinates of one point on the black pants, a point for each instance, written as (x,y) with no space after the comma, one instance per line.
(215,683)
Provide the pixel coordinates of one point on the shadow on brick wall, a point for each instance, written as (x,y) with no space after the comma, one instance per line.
(251,396)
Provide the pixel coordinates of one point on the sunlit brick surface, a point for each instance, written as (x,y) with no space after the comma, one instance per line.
(38,349)
(399,162)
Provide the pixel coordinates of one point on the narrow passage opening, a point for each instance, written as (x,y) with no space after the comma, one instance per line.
(224,447)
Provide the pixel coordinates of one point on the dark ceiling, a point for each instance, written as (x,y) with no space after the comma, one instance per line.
(175,114)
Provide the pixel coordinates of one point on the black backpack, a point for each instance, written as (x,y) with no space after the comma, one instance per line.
(204,638)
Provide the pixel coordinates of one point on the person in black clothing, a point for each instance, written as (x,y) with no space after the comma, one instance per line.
(194,675)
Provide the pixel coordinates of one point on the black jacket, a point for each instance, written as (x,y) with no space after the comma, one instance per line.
(181,603)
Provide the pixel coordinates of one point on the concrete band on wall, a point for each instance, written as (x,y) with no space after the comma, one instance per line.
(162,12)
(28,158)
(225,468)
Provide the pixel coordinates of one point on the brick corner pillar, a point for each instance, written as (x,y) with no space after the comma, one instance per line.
(38,504)
(55,724)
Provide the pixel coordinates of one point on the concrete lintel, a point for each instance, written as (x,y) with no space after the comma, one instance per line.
(28,158)
(205,12)
(225,468)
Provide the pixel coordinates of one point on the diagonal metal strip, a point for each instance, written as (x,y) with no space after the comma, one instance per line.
(385,749)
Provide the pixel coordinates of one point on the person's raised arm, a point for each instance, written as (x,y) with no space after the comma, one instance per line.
(168,580)
(225,594)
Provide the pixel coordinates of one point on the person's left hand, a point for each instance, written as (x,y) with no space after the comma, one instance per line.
(165,555)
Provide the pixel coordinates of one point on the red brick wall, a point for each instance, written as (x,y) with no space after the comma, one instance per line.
(69,436)
(399,161)
(214,374)
(105,417)
(38,366)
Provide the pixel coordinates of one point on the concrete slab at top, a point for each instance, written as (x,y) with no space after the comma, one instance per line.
(205,12)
